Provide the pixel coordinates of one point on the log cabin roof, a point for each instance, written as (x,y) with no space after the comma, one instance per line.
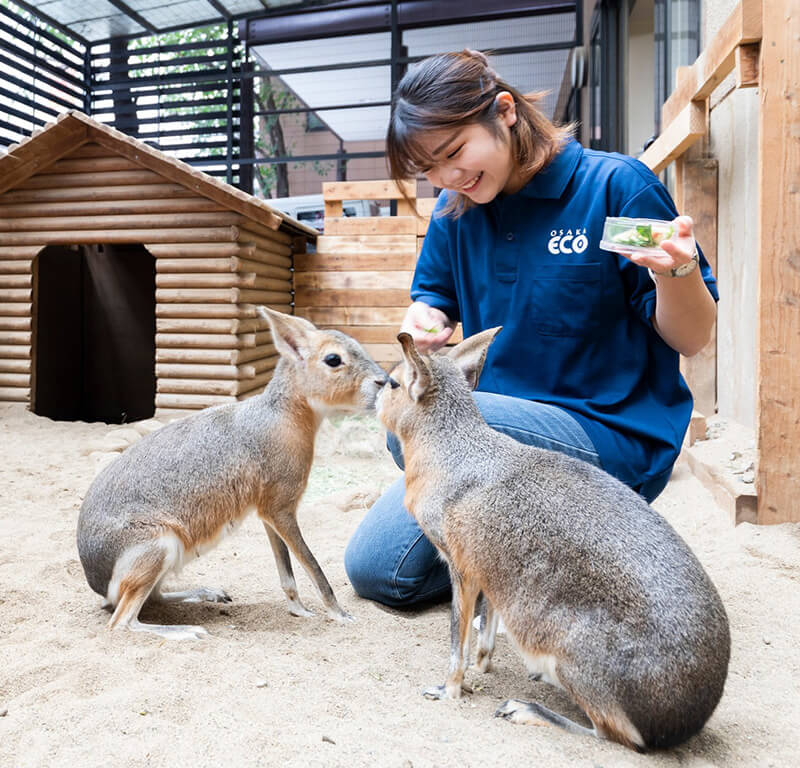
(73,129)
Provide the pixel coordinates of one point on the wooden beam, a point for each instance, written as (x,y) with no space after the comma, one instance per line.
(371,225)
(689,126)
(778,338)
(717,60)
(698,185)
(747,65)
(368,190)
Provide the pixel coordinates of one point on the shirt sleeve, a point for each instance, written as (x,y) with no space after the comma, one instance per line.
(653,202)
(434,282)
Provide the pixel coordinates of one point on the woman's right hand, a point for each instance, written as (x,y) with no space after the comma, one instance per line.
(429,327)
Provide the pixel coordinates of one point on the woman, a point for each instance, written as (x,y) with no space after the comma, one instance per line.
(588,359)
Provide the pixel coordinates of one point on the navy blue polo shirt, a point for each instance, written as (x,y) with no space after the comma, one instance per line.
(576,319)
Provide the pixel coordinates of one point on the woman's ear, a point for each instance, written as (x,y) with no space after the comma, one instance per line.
(506,108)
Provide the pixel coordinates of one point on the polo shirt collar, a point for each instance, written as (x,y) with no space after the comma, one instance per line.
(552,180)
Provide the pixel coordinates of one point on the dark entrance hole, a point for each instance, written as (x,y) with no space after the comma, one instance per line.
(95,333)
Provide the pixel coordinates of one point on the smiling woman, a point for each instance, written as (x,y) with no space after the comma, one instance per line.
(587,362)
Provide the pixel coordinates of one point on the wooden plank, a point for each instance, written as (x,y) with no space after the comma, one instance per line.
(15,394)
(368,334)
(144,236)
(193,266)
(15,366)
(778,338)
(384,352)
(90,149)
(353,280)
(425,206)
(265,270)
(344,315)
(153,191)
(73,164)
(371,225)
(317,262)
(690,125)
(107,179)
(200,371)
(211,340)
(197,386)
(336,244)
(747,65)
(191,402)
(110,207)
(15,352)
(206,325)
(11,252)
(200,250)
(308,297)
(15,267)
(200,310)
(14,309)
(264,244)
(19,295)
(333,209)
(15,280)
(158,221)
(15,337)
(15,323)
(368,190)
(15,380)
(217,280)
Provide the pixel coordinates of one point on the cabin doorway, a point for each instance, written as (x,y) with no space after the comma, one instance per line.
(94,335)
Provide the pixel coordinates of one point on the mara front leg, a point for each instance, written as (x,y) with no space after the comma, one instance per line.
(285,525)
(465,592)
(487,634)
(285,572)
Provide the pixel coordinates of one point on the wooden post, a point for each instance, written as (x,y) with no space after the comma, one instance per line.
(778,339)
(698,182)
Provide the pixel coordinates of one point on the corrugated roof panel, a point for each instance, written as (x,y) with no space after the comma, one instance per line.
(247,6)
(173,14)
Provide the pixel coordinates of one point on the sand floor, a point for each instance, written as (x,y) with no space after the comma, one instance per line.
(266,688)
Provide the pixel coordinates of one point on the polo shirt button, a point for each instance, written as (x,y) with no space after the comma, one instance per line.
(510,236)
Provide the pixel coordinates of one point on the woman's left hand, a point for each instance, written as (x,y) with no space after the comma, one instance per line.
(676,252)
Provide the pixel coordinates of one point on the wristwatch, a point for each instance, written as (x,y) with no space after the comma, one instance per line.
(681,271)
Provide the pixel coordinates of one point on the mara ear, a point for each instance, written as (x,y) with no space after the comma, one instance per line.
(470,354)
(417,374)
(290,334)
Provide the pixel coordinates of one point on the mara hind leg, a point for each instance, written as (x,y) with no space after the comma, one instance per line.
(197,595)
(487,634)
(136,575)
(285,572)
(285,525)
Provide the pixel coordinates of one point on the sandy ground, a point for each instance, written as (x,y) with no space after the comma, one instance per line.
(266,688)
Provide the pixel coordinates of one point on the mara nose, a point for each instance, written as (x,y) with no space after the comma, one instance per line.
(391,382)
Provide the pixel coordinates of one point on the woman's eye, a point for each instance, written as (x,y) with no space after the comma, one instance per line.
(455,152)
(332,360)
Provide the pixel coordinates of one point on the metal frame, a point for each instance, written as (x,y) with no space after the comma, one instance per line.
(98,75)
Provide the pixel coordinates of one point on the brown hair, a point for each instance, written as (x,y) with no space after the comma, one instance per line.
(456,89)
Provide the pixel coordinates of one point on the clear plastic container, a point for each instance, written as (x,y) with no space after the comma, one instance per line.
(643,235)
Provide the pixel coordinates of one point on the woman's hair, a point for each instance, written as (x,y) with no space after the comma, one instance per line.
(456,89)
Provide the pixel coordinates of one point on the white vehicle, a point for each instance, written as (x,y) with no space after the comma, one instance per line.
(310,209)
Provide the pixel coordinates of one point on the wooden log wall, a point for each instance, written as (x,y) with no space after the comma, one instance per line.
(358,279)
(213,266)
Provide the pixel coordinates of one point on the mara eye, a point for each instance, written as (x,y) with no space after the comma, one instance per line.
(332,360)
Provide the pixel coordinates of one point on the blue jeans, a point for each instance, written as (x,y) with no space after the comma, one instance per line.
(388,559)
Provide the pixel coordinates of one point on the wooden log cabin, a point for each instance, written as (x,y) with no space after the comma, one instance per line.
(129,280)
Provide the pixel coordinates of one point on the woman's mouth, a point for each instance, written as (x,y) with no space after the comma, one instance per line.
(472,183)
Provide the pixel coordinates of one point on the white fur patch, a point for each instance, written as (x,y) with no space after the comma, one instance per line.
(173,561)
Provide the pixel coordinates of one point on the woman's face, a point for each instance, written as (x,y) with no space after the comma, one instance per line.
(472,160)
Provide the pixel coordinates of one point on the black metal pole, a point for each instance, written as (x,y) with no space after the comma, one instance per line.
(229,74)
